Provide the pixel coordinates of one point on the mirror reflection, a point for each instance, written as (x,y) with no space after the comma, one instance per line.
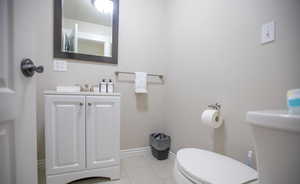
(87,27)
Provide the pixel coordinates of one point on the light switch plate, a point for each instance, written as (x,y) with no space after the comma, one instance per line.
(268,32)
(60,65)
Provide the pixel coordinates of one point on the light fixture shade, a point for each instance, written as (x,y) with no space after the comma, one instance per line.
(104,6)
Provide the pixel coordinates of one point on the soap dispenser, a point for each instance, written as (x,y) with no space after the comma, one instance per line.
(110,86)
(103,86)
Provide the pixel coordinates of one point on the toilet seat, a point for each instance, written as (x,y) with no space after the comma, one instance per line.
(201,167)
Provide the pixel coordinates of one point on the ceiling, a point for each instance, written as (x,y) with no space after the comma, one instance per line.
(83,10)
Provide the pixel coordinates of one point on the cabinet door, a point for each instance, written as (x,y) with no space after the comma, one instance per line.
(65,133)
(103,131)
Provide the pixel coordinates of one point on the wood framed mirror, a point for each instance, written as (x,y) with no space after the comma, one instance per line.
(86,30)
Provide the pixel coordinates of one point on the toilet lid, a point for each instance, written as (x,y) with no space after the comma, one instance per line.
(208,167)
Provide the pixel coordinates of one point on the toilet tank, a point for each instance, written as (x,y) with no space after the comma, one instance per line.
(277,143)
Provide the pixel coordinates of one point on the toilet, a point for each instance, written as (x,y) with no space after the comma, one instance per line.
(196,166)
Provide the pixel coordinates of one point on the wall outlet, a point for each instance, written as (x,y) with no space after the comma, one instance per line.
(60,65)
(268,32)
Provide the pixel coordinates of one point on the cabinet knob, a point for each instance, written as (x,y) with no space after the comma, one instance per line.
(89,104)
(81,104)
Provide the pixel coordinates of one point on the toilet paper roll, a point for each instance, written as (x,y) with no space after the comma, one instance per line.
(211,118)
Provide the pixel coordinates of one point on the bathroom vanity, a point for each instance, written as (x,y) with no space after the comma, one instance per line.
(82,132)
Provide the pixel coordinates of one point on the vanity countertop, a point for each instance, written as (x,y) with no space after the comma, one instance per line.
(53,92)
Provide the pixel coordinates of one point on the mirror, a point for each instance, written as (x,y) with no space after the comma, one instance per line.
(86,30)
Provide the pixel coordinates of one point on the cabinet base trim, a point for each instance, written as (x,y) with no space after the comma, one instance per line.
(111,172)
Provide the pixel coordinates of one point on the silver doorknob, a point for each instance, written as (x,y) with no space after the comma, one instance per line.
(28,68)
(81,104)
(89,104)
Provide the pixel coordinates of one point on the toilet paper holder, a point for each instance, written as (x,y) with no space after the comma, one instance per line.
(216,106)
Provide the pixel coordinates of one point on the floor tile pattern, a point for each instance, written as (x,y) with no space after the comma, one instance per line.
(142,169)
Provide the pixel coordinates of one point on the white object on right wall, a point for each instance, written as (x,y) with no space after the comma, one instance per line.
(268,32)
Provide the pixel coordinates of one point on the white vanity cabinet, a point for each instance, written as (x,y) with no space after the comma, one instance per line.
(65,133)
(102,131)
(82,132)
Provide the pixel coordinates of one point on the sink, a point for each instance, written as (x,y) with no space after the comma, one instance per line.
(277,145)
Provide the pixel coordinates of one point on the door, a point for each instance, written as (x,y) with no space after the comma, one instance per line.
(65,133)
(103,131)
(18,155)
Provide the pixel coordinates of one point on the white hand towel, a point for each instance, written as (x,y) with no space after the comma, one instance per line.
(140,82)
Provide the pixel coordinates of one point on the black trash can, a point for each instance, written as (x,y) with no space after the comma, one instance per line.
(160,145)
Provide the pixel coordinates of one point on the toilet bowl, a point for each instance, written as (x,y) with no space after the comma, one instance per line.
(196,166)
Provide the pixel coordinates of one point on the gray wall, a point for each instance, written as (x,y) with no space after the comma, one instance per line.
(140,49)
(210,52)
(215,55)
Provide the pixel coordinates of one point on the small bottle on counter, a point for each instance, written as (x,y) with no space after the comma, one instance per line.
(103,86)
(110,86)
(86,88)
(95,89)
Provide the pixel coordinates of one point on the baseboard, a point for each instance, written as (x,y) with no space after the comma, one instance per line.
(123,154)
(140,151)
(134,152)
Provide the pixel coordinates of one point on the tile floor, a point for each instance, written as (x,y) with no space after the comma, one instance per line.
(145,169)
(142,169)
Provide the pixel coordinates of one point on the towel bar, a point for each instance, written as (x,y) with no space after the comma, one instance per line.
(149,74)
